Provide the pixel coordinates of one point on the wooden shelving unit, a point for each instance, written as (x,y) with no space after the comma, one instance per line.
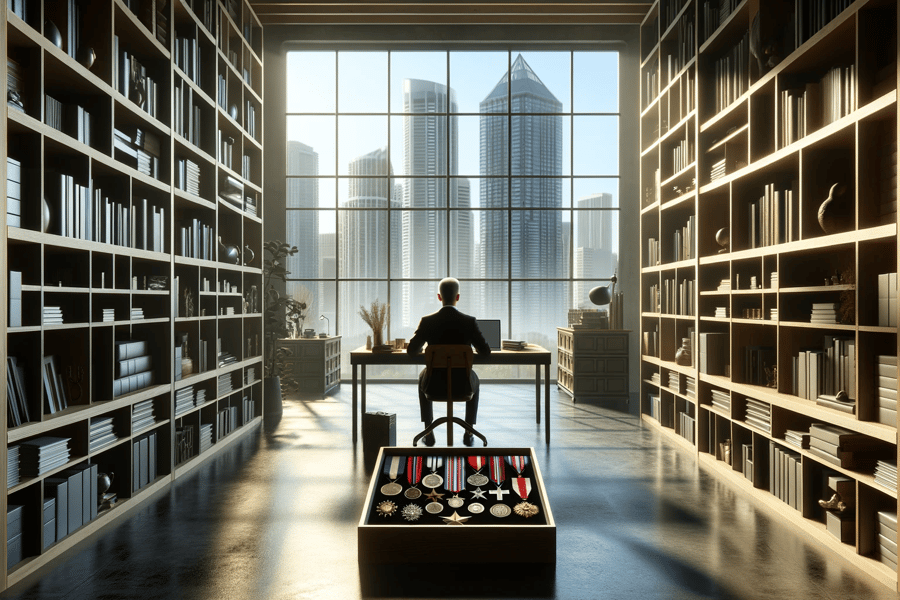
(729,143)
(169,83)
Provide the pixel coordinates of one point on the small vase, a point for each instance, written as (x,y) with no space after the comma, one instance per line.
(187,366)
(830,210)
(45,215)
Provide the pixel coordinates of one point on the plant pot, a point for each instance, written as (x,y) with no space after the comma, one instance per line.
(272,396)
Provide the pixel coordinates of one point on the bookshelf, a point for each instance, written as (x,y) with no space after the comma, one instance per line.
(780,307)
(132,251)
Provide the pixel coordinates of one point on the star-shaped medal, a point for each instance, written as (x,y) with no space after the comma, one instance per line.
(499,493)
(478,493)
(434,496)
(455,519)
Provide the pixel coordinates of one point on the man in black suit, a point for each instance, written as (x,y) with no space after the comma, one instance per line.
(448,326)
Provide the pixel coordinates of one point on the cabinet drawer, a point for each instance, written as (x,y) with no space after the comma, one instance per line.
(600,385)
(601,366)
(601,344)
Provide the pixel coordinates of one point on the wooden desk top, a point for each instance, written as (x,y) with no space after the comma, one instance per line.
(531,355)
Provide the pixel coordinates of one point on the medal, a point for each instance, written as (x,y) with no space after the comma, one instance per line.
(478,493)
(413,473)
(455,502)
(411,512)
(498,475)
(394,468)
(476,508)
(433,480)
(386,508)
(434,507)
(454,480)
(455,519)
(522,486)
(518,463)
(500,510)
(434,496)
(477,479)
(526,509)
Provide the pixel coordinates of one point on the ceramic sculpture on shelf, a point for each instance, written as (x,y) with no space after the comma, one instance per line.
(832,209)
(723,238)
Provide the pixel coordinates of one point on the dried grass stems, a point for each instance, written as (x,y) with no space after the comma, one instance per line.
(376,317)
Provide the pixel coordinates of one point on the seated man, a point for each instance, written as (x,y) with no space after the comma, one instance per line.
(448,326)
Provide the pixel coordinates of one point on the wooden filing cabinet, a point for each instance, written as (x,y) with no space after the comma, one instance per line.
(314,363)
(592,363)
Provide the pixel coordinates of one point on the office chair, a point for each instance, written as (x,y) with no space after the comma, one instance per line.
(440,360)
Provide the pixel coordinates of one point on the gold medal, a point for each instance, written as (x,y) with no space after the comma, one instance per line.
(526,509)
(386,508)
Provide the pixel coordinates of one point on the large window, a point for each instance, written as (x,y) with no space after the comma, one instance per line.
(498,168)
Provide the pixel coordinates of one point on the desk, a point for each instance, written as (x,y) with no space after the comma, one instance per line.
(532,355)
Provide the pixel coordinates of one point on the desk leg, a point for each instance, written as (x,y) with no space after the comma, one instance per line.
(547,401)
(363,408)
(537,394)
(353,409)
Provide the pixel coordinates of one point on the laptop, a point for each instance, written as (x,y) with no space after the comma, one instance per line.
(490,329)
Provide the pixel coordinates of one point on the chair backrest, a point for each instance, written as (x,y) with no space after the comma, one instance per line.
(448,365)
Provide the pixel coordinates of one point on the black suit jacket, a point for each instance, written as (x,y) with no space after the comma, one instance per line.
(448,326)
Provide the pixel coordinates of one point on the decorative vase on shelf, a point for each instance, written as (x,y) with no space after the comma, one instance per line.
(832,208)
(722,238)
(86,56)
(45,215)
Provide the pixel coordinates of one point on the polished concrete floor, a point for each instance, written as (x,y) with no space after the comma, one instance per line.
(275,516)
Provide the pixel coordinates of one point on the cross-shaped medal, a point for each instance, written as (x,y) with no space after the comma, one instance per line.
(499,493)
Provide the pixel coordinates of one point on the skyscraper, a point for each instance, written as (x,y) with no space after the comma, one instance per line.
(430,150)
(531,233)
(594,256)
(302,227)
(369,236)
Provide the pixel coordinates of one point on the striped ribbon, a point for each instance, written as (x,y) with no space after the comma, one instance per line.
(477,462)
(454,474)
(522,485)
(394,467)
(434,463)
(414,469)
(517,462)
(498,469)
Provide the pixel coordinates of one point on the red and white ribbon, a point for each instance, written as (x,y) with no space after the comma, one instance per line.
(498,469)
(522,486)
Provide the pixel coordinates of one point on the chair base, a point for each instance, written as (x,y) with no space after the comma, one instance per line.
(449,421)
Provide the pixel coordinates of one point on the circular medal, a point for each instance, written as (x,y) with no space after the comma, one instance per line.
(413,493)
(391,489)
(434,508)
(386,508)
(477,480)
(476,508)
(526,509)
(455,502)
(500,510)
(411,512)
(432,480)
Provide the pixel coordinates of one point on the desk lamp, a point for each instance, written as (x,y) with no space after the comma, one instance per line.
(603,295)
(327,324)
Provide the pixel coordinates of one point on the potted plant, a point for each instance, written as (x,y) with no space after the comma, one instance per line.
(281,311)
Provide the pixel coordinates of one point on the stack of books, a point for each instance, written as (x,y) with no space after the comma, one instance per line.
(249,407)
(17,400)
(229,311)
(717,171)
(138,149)
(785,475)
(759,414)
(687,426)
(43,454)
(102,433)
(250,375)
(514,344)
(206,437)
(843,448)
(109,314)
(690,385)
(250,204)
(187,176)
(226,421)
(887,538)
(12,466)
(824,312)
(721,312)
(225,386)
(13,192)
(797,438)
(773,280)
(144,461)
(655,378)
(226,358)
(724,286)
(721,400)
(137,314)
(674,381)
(133,368)
(886,473)
(655,406)
(199,397)
(747,461)
(53,315)
(773,314)
(142,416)
(887,389)
(184,400)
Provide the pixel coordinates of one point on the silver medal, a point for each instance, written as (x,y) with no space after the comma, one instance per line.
(411,512)
(477,480)
(432,480)
(455,502)
(501,510)
(413,493)
(391,489)
(434,507)
(476,508)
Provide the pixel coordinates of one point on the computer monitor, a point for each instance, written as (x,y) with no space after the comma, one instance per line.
(490,329)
